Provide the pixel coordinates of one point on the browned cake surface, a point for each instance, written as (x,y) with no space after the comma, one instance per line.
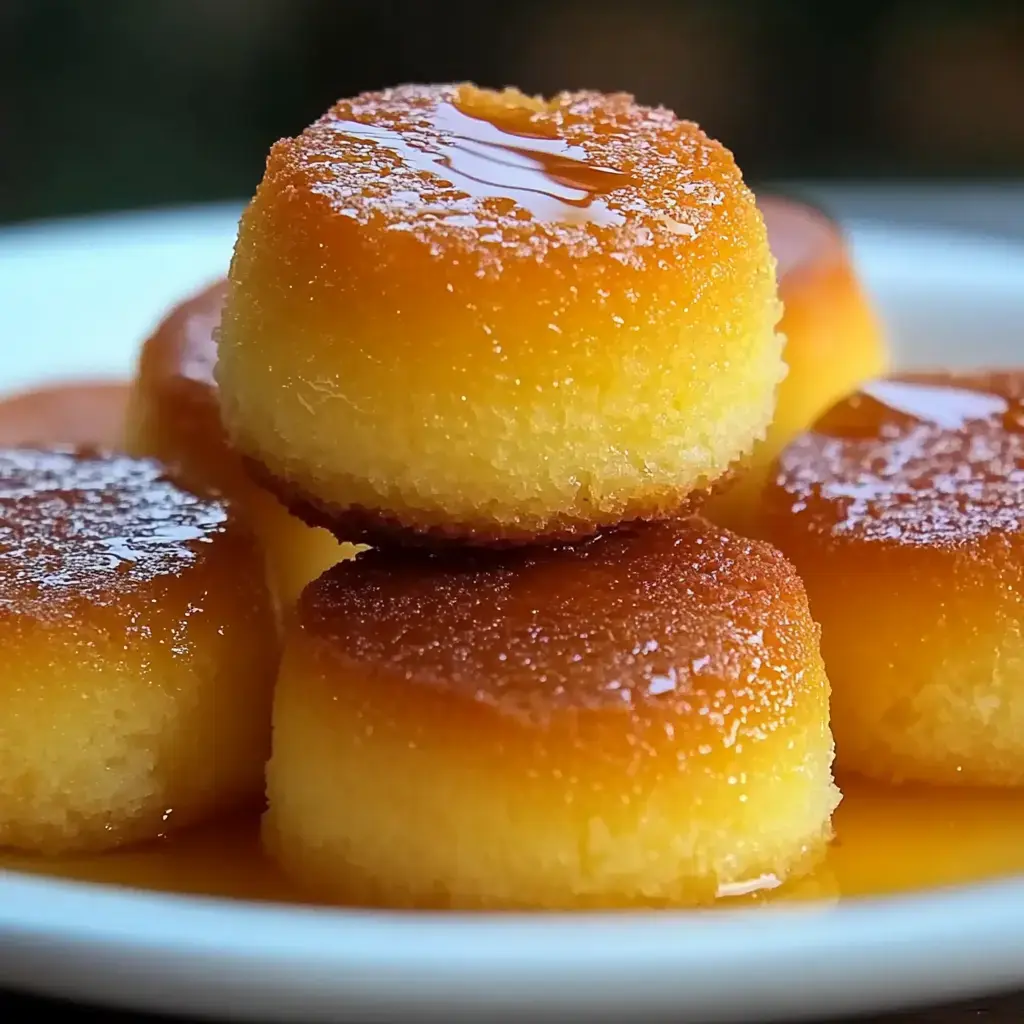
(641,718)
(175,413)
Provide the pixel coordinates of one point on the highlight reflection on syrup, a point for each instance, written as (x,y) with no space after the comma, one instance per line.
(883,406)
(948,407)
(492,159)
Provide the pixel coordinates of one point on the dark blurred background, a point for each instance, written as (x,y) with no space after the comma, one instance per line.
(125,103)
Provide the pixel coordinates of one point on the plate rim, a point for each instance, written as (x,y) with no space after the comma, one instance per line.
(296,946)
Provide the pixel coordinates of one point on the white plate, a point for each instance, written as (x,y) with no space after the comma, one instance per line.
(75,299)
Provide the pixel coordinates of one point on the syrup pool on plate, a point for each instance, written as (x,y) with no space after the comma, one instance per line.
(888,839)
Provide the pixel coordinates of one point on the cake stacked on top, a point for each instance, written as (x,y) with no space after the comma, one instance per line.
(511,343)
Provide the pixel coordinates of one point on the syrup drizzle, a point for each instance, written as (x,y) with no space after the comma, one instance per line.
(490,158)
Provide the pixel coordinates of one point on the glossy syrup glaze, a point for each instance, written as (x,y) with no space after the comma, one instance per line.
(833,343)
(76,525)
(916,460)
(515,172)
(490,156)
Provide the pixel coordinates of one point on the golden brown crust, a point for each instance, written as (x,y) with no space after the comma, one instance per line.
(680,618)
(828,321)
(175,417)
(174,413)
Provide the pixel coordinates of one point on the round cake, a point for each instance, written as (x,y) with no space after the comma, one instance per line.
(174,415)
(901,509)
(833,343)
(473,316)
(139,654)
(640,719)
